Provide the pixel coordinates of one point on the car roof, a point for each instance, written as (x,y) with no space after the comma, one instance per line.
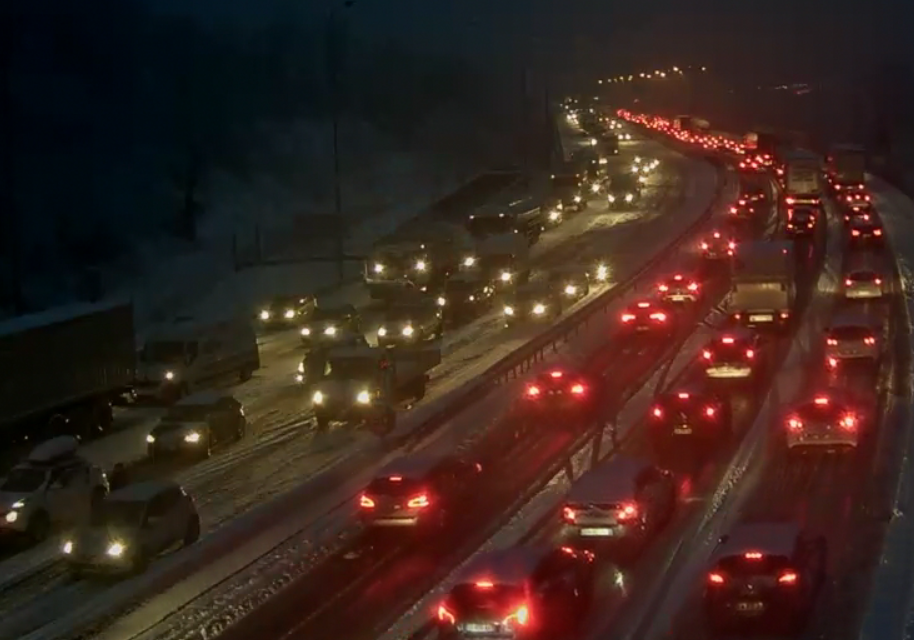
(852,319)
(141,491)
(511,566)
(770,538)
(204,398)
(612,480)
(414,467)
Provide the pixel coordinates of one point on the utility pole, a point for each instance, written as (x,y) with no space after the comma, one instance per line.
(335,46)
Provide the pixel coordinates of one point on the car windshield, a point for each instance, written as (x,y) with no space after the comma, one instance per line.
(387,487)
(482,226)
(862,276)
(353,369)
(24,480)
(163,351)
(494,600)
(330,313)
(120,513)
(743,566)
(188,413)
(850,333)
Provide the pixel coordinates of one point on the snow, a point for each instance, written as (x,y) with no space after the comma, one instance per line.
(57,315)
(241,592)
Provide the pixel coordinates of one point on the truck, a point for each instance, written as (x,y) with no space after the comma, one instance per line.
(502,245)
(364,384)
(72,362)
(761,144)
(763,286)
(802,179)
(846,166)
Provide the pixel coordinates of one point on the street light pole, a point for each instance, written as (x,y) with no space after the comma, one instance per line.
(334,53)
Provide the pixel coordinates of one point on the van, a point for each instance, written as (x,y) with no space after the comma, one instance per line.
(189,355)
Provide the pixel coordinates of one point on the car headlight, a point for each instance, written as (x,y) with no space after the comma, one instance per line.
(602,272)
(506,276)
(408,331)
(301,367)
(290,313)
(306,331)
(642,179)
(571,289)
(593,142)
(382,331)
(264,315)
(421,265)
(363,397)
(611,197)
(509,311)
(472,298)
(441,301)
(12,516)
(636,168)
(577,199)
(604,161)
(150,438)
(554,215)
(317,398)
(539,309)
(378,267)
(193,437)
(169,375)
(67,547)
(330,331)
(469,261)
(116,549)
(560,206)
(629,197)
(595,187)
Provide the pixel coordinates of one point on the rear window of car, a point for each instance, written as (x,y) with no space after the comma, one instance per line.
(814,411)
(862,276)
(850,333)
(747,564)
(394,488)
(496,600)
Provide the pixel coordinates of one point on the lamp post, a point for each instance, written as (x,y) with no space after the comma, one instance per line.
(335,44)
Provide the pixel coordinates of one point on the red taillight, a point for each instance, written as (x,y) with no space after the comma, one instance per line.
(750,353)
(832,342)
(788,577)
(682,395)
(577,389)
(627,512)
(728,340)
(663,287)
(849,422)
(795,424)
(716,578)
(731,246)
(365,502)
(734,210)
(704,246)
(520,617)
(710,412)
(627,317)
(658,412)
(533,391)
(717,234)
(658,316)
(742,202)
(877,232)
(790,201)
(753,555)
(855,232)
(485,584)
(848,282)
(821,401)
(556,374)
(832,363)
(870,340)
(693,286)
(446,616)
(878,280)
(569,514)
(707,355)
(419,502)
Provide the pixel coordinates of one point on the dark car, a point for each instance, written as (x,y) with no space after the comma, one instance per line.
(679,288)
(464,296)
(717,246)
(619,505)
(689,416)
(519,592)
(332,325)
(283,312)
(764,575)
(865,232)
(647,316)
(801,221)
(855,199)
(196,423)
(623,190)
(536,301)
(416,493)
(572,283)
(732,355)
(562,392)
(749,205)
(410,321)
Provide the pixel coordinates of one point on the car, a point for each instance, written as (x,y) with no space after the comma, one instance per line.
(409,321)
(623,190)
(679,288)
(863,284)
(764,575)
(196,423)
(717,246)
(284,312)
(562,391)
(519,592)
(332,324)
(689,415)
(647,316)
(464,296)
(745,210)
(732,355)
(600,271)
(865,231)
(619,505)
(132,526)
(855,199)
(866,215)
(853,337)
(415,492)
(537,301)
(821,423)
(573,283)
(801,222)
(52,487)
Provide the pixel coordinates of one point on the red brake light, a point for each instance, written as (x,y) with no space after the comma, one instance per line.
(556,374)
(693,286)
(627,512)
(419,502)
(733,210)
(663,287)
(659,316)
(520,617)
(870,340)
(821,401)
(446,616)
(683,395)
(365,502)
(710,411)
(569,514)
(627,317)
(753,555)
(742,202)
(878,280)
(658,412)
(832,363)
(832,342)
(849,422)
(577,389)
(750,353)
(704,246)
(717,234)
(855,232)
(715,578)
(677,277)
(533,391)
(644,305)
(396,478)
(877,232)
(731,246)
(485,584)
(848,282)
(728,340)
(788,577)
(706,354)
(790,200)
(795,424)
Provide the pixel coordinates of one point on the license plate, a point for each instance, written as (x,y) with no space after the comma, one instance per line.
(764,317)
(678,297)
(750,607)
(682,430)
(474,627)
(596,532)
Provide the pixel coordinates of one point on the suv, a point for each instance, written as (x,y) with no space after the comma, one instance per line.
(132,526)
(53,487)
(764,572)
(196,423)
(519,592)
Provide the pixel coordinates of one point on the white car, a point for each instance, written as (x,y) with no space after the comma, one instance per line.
(132,526)
(53,487)
(822,423)
(853,337)
(863,284)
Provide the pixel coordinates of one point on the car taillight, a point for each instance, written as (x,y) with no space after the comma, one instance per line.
(877,232)
(788,577)
(704,246)
(849,422)
(663,287)
(693,286)
(365,502)
(789,200)
(878,281)
(569,514)
(870,340)
(716,578)
(750,353)
(832,363)
(753,555)
(707,355)
(520,617)
(832,342)
(627,317)
(794,424)
(444,615)
(731,246)
(710,411)
(419,502)
(734,210)
(658,316)
(848,282)
(627,512)
(533,391)
(742,202)
(657,412)
(855,232)
(577,389)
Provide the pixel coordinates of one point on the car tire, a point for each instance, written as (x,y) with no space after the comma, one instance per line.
(192,532)
(39,526)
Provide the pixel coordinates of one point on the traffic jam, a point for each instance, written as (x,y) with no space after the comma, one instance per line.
(759,350)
